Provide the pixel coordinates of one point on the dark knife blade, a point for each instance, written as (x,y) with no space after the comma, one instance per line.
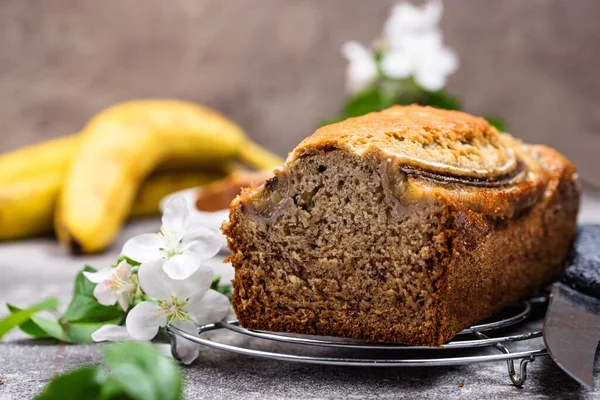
(572,332)
(572,322)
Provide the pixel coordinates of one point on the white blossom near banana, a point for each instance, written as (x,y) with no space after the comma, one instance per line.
(160,300)
(181,246)
(122,145)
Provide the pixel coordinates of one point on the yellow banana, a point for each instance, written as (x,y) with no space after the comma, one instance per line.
(53,155)
(31,178)
(121,146)
(259,157)
(27,205)
(56,154)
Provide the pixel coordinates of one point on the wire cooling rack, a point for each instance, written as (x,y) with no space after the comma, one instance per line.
(475,337)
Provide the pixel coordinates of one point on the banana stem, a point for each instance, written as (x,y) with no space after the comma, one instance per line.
(258,157)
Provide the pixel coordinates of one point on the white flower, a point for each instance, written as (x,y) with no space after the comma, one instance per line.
(361,70)
(408,19)
(182,303)
(424,57)
(111,333)
(180,246)
(113,284)
(414,46)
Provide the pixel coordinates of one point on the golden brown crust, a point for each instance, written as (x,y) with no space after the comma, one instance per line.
(505,228)
(427,138)
(498,262)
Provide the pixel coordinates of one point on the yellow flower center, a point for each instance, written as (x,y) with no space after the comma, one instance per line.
(118,285)
(172,309)
(172,243)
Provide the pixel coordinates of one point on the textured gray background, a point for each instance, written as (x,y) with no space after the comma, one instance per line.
(275,66)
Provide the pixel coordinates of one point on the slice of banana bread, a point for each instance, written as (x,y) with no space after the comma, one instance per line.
(402,226)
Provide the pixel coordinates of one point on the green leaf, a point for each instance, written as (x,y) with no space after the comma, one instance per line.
(215,282)
(112,390)
(215,285)
(81,332)
(29,327)
(82,284)
(364,102)
(224,289)
(84,307)
(70,332)
(498,122)
(83,383)
(53,329)
(41,327)
(330,121)
(441,99)
(17,318)
(131,262)
(137,371)
(87,309)
(143,372)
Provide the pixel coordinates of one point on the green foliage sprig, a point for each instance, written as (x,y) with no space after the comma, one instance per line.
(386,92)
(83,316)
(133,371)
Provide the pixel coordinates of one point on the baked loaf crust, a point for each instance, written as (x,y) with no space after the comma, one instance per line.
(402,226)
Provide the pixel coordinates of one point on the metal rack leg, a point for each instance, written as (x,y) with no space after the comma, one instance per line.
(518,379)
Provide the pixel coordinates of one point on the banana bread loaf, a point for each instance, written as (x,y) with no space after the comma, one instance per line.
(402,226)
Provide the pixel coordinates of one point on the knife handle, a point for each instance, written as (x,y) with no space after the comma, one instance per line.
(582,271)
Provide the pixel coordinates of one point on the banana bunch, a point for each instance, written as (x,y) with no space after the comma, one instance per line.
(120,165)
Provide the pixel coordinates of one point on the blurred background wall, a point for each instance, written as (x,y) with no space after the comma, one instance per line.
(275,67)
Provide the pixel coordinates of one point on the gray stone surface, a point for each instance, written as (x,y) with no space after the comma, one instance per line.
(38,268)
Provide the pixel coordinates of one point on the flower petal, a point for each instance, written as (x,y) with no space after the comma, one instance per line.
(157,284)
(186,350)
(396,64)
(361,70)
(100,276)
(196,285)
(181,266)
(431,14)
(354,51)
(164,348)
(123,270)
(447,61)
(430,79)
(204,242)
(175,216)
(123,300)
(103,293)
(211,307)
(144,320)
(154,281)
(110,333)
(408,19)
(143,248)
